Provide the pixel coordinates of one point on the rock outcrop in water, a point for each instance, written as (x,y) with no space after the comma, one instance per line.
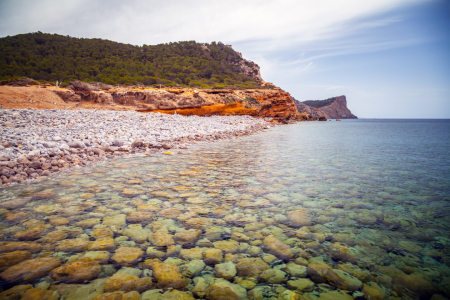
(335,108)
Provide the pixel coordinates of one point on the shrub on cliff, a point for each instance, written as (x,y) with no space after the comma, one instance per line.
(81,86)
(19,82)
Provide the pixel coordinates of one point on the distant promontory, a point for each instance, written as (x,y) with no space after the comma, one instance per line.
(332,108)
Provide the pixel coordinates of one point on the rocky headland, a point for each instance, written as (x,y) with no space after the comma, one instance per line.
(333,108)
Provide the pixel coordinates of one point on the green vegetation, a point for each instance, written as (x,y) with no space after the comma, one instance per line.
(51,57)
(319,103)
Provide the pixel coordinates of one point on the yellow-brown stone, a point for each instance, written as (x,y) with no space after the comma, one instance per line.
(30,270)
(127,256)
(170,213)
(104,244)
(54,236)
(118,296)
(191,254)
(59,221)
(168,276)
(199,223)
(299,217)
(127,283)
(278,248)
(162,239)
(40,294)
(213,256)
(230,246)
(31,234)
(15,292)
(15,217)
(88,223)
(12,258)
(251,267)
(101,233)
(140,217)
(187,237)
(77,271)
(33,247)
(72,245)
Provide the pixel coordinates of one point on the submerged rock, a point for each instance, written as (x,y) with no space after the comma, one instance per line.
(127,283)
(222,289)
(169,276)
(118,296)
(278,248)
(78,271)
(33,294)
(251,267)
(128,256)
(226,270)
(15,292)
(273,276)
(12,258)
(33,247)
(213,256)
(299,217)
(30,270)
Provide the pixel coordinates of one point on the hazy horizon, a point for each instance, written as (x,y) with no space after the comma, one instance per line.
(390,58)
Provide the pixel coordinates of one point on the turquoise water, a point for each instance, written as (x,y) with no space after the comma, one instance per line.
(371,196)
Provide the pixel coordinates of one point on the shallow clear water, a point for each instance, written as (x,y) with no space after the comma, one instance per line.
(372,199)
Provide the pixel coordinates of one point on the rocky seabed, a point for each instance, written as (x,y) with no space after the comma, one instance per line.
(36,143)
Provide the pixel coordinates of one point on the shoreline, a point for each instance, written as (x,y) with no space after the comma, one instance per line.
(36,143)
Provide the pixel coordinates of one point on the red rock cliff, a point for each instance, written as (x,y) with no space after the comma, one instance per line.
(274,103)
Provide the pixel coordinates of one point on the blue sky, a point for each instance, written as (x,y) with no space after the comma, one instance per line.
(391,58)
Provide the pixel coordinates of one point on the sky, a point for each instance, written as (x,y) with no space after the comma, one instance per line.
(391,58)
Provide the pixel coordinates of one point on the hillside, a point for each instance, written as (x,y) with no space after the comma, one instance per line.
(51,57)
(319,103)
(332,108)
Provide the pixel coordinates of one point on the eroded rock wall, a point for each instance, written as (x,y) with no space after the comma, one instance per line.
(273,103)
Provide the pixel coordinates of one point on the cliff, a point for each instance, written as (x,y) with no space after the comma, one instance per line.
(333,108)
(271,103)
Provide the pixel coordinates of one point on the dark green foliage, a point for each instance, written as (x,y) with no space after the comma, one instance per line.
(319,103)
(51,57)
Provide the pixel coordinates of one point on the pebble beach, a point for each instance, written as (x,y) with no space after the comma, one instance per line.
(36,143)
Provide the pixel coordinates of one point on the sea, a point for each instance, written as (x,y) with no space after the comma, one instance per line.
(366,201)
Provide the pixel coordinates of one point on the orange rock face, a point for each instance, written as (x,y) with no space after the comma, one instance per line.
(276,104)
